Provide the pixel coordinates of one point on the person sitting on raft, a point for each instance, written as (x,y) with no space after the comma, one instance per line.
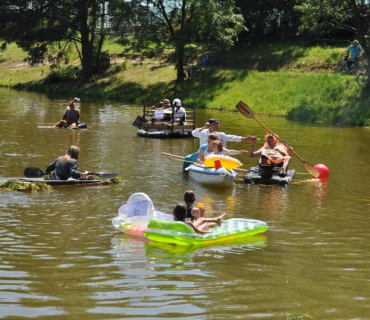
(179,115)
(272,154)
(70,116)
(219,149)
(189,199)
(159,114)
(201,225)
(65,167)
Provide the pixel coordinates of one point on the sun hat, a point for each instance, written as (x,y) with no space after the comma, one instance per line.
(165,101)
(213,120)
(355,41)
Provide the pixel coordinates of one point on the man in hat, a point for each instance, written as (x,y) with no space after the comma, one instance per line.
(355,50)
(160,113)
(212,126)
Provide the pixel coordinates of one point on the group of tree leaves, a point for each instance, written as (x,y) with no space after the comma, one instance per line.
(177,24)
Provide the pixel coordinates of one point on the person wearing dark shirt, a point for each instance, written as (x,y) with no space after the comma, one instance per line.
(65,167)
(70,116)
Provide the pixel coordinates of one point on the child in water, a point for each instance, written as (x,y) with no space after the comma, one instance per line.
(200,224)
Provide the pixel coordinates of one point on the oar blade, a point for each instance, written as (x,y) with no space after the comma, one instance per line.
(33,172)
(245,110)
(105,174)
(311,169)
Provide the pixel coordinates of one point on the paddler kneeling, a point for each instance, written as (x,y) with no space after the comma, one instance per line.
(272,155)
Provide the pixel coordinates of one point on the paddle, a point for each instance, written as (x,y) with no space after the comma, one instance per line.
(248,112)
(165,96)
(37,173)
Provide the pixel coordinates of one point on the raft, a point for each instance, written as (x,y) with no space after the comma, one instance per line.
(182,234)
(139,218)
(81,125)
(211,176)
(162,134)
(70,182)
(226,162)
(254,176)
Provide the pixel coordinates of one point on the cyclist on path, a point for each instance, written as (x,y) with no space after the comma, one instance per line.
(355,50)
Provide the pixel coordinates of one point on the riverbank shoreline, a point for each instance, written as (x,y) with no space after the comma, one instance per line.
(302,88)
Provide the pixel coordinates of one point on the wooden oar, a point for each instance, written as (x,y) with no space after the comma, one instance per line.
(165,96)
(37,173)
(248,112)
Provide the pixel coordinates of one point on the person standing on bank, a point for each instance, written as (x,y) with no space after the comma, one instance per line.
(70,116)
(212,126)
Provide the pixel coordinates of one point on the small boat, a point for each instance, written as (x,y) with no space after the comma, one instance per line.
(166,127)
(211,176)
(69,182)
(182,234)
(162,134)
(254,176)
(81,125)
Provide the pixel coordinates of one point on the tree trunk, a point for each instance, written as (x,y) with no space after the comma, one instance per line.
(87,46)
(180,52)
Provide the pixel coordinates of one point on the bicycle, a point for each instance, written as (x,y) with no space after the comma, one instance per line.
(363,79)
(193,72)
(346,67)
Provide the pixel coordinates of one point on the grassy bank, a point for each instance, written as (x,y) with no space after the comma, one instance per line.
(292,80)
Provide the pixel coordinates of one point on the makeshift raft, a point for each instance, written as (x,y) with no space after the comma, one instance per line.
(41,184)
(166,127)
(254,176)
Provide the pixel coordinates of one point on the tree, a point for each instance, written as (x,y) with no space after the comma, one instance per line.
(56,21)
(322,16)
(269,19)
(178,24)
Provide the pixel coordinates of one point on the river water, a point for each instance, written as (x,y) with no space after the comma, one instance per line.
(62,259)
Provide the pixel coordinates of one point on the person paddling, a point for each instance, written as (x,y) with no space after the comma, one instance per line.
(65,167)
(70,116)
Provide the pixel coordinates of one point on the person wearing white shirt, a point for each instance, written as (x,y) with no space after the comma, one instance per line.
(212,126)
(179,112)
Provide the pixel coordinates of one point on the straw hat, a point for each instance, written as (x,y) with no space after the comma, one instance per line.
(165,101)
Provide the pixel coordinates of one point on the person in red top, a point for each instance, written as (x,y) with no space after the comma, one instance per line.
(70,116)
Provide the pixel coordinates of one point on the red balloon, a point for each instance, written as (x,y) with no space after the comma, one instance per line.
(324,171)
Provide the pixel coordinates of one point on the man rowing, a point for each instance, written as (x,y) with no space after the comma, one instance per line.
(273,154)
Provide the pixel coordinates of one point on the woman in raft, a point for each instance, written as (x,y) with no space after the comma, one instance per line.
(272,154)
(209,148)
(199,224)
(65,167)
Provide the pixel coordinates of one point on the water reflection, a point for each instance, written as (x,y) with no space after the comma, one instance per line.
(61,258)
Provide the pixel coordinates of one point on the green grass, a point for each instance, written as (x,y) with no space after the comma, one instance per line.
(285,79)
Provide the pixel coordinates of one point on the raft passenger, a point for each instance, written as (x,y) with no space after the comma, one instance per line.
(201,225)
(70,116)
(273,154)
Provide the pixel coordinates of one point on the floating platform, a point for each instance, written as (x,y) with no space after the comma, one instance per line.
(254,176)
